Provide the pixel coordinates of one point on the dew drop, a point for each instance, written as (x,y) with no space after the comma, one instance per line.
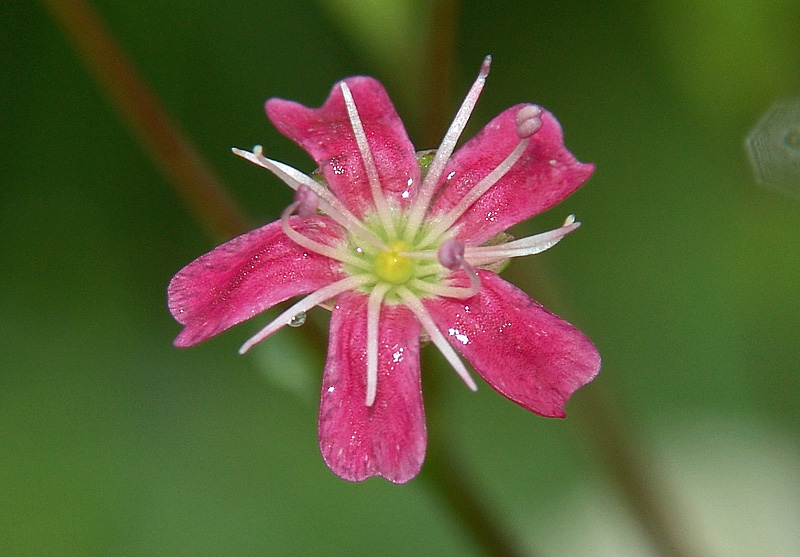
(298,319)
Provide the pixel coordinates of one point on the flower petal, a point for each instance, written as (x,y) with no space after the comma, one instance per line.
(545,175)
(248,275)
(327,135)
(388,438)
(525,352)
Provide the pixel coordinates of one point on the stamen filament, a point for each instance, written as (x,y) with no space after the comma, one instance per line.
(459,292)
(428,187)
(329,203)
(314,299)
(530,245)
(474,194)
(381,205)
(373,319)
(415,305)
(322,249)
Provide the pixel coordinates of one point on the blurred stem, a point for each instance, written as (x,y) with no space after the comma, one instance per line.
(444,473)
(613,443)
(439,67)
(446,477)
(616,448)
(169,146)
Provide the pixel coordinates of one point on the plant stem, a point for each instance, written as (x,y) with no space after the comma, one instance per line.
(169,146)
(612,442)
(616,448)
(446,477)
(439,67)
(444,473)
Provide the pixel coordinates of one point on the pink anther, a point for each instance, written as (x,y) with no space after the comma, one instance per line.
(451,254)
(528,120)
(306,200)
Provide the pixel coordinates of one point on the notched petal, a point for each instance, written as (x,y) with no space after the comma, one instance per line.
(387,438)
(546,174)
(327,135)
(248,275)
(525,352)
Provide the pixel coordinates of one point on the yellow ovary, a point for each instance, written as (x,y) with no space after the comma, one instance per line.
(392,267)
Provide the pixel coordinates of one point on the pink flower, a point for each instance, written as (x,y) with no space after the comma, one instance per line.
(401,244)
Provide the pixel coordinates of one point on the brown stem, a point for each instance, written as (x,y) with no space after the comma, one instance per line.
(616,446)
(617,450)
(444,473)
(447,478)
(169,146)
(439,68)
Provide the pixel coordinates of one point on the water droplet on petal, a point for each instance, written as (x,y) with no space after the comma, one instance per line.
(298,319)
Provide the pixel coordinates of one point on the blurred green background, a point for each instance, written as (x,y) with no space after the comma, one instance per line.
(685,274)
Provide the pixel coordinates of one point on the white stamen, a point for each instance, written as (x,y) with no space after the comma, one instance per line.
(528,121)
(373,319)
(413,303)
(475,193)
(530,245)
(384,213)
(428,187)
(322,249)
(304,305)
(329,203)
(459,292)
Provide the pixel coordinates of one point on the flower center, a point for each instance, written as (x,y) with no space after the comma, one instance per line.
(392,267)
